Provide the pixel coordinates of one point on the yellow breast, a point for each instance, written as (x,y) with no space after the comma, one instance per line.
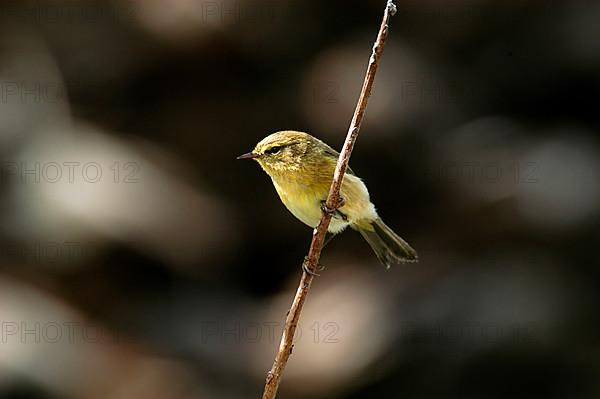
(303,200)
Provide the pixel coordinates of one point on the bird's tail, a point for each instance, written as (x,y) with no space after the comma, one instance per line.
(387,245)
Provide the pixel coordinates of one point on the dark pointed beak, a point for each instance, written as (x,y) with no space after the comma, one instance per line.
(250,155)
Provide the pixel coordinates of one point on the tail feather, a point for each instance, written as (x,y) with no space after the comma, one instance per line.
(387,245)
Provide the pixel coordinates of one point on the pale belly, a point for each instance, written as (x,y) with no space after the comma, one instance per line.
(306,203)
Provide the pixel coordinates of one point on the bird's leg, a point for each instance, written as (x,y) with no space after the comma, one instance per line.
(306,269)
(340,203)
(327,210)
(328,238)
(333,212)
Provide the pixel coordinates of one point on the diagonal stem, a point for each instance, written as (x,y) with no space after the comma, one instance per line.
(333,202)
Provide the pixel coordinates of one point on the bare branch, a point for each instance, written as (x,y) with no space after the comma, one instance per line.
(333,202)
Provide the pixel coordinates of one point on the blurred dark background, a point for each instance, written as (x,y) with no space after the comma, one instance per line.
(139,259)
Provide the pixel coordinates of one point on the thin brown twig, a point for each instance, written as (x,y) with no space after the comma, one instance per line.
(333,202)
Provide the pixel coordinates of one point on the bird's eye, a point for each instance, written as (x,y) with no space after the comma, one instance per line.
(273,150)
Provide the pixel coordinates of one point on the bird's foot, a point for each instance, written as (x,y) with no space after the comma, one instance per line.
(335,213)
(327,210)
(331,211)
(308,271)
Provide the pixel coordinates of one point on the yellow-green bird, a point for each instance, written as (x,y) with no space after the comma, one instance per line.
(301,168)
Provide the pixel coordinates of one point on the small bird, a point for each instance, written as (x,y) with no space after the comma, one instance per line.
(301,168)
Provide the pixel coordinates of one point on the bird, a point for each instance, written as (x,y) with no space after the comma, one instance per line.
(301,168)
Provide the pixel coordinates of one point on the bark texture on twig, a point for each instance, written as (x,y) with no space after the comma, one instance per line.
(333,202)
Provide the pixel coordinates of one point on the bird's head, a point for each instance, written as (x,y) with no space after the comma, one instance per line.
(287,151)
